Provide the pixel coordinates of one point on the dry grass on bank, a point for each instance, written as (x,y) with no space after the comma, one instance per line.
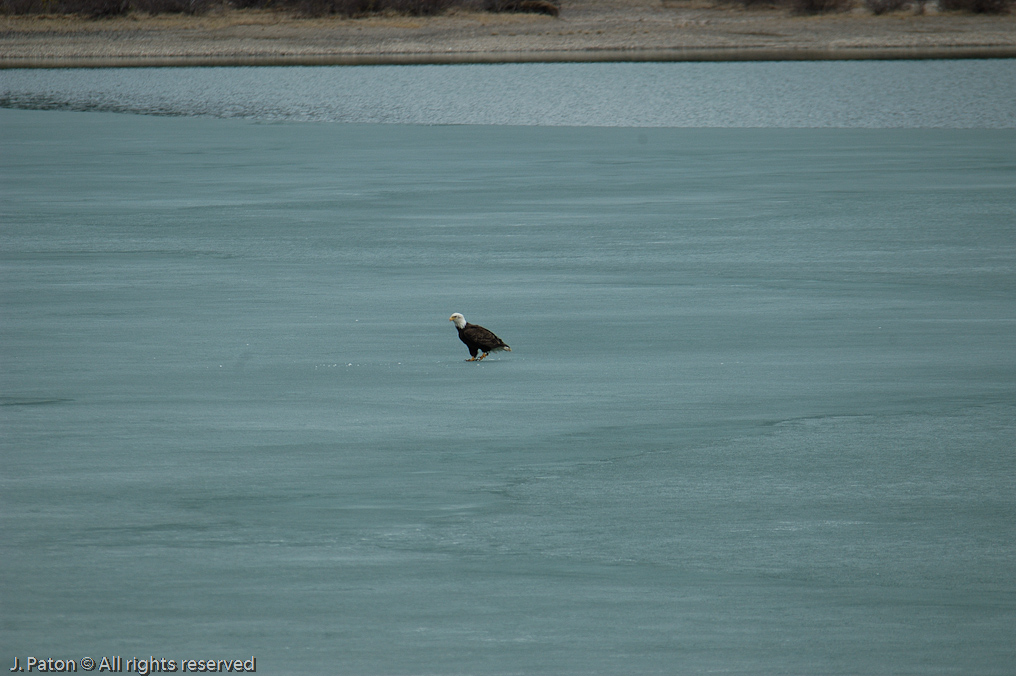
(879,7)
(312,8)
(365,8)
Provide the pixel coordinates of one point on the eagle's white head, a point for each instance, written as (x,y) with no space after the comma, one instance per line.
(460,321)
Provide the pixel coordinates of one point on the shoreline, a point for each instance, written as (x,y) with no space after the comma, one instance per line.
(438,59)
(589,31)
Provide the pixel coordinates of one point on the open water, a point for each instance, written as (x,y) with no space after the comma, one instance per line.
(759,416)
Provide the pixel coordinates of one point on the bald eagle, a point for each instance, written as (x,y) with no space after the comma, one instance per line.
(477,338)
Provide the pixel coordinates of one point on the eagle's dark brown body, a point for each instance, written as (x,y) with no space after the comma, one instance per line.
(477,338)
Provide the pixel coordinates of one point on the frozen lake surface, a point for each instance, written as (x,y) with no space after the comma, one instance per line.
(759,416)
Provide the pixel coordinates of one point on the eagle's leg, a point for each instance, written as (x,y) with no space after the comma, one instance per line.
(482,356)
(473,358)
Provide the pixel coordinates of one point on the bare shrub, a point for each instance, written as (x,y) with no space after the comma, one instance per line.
(819,6)
(349,8)
(90,8)
(885,6)
(530,6)
(18,7)
(357,8)
(192,7)
(418,7)
(313,7)
(98,9)
(976,6)
(354,8)
(101,8)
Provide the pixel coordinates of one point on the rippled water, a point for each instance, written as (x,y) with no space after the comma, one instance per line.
(855,94)
(758,417)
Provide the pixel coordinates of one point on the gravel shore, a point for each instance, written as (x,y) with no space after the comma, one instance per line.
(586,30)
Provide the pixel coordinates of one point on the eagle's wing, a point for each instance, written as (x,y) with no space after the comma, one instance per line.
(485,338)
